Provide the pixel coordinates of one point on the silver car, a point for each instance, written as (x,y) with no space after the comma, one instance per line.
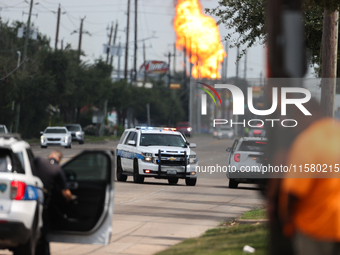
(224,132)
(245,161)
(76,132)
(59,136)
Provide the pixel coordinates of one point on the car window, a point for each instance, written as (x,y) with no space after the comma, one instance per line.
(5,164)
(21,158)
(162,140)
(2,130)
(131,136)
(121,140)
(86,167)
(10,163)
(73,128)
(55,131)
(31,160)
(257,146)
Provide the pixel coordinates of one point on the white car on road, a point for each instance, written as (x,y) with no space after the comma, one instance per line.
(56,136)
(161,153)
(87,219)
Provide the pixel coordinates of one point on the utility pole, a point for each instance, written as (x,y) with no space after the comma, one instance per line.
(27,34)
(127,41)
(107,55)
(57,33)
(135,53)
(174,58)
(237,60)
(245,65)
(114,41)
(185,63)
(81,32)
(80,37)
(144,62)
(329,61)
(169,72)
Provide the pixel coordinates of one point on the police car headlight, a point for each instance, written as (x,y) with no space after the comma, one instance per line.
(189,129)
(192,159)
(147,156)
(42,139)
(65,139)
(78,133)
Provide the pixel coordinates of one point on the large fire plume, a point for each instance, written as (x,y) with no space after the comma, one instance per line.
(198,34)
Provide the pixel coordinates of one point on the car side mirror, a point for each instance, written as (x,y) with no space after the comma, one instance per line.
(41,132)
(228,149)
(192,145)
(132,142)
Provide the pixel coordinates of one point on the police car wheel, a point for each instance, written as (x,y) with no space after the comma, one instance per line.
(190,181)
(119,174)
(136,177)
(233,184)
(173,180)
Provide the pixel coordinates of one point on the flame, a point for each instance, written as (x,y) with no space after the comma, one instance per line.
(198,34)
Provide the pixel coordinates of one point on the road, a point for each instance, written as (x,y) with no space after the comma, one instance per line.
(152,216)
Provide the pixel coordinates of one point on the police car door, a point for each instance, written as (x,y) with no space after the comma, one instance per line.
(128,151)
(87,218)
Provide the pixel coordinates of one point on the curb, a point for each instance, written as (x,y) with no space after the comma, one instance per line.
(252,221)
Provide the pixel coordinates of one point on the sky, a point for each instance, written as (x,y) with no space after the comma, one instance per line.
(155,19)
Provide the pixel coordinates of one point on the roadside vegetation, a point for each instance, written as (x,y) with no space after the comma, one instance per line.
(228,239)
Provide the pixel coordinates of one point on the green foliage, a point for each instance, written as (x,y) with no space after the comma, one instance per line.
(56,87)
(246,18)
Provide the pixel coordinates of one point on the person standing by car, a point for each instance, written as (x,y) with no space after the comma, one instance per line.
(50,173)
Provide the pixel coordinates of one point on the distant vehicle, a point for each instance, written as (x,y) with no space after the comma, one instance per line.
(56,136)
(3,129)
(184,128)
(224,132)
(77,132)
(259,131)
(87,219)
(161,153)
(244,160)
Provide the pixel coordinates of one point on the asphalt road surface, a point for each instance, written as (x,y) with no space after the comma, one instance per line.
(152,216)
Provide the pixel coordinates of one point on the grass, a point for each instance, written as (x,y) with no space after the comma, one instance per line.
(255,214)
(227,240)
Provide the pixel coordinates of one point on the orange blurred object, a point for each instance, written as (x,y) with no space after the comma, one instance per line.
(199,35)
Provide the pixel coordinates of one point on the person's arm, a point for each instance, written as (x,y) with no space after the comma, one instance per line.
(63,184)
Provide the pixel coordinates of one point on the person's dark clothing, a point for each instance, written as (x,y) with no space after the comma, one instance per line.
(50,173)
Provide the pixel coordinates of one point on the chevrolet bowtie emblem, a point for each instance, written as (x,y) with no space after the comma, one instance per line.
(172,159)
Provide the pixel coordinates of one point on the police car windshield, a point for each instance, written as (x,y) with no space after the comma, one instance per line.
(162,140)
(55,131)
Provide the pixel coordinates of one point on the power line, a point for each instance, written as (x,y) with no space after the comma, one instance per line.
(13,70)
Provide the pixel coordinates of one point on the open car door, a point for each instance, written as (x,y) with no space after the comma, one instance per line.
(87,218)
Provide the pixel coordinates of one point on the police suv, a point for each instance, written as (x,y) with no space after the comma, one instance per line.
(86,219)
(162,153)
(21,197)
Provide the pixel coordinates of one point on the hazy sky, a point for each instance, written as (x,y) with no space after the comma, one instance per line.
(154,19)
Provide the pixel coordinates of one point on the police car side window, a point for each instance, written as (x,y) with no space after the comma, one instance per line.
(123,137)
(130,137)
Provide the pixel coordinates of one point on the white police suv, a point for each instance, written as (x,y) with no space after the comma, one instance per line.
(86,219)
(21,197)
(162,153)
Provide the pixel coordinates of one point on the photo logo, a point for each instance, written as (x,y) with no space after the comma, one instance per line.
(204,97)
